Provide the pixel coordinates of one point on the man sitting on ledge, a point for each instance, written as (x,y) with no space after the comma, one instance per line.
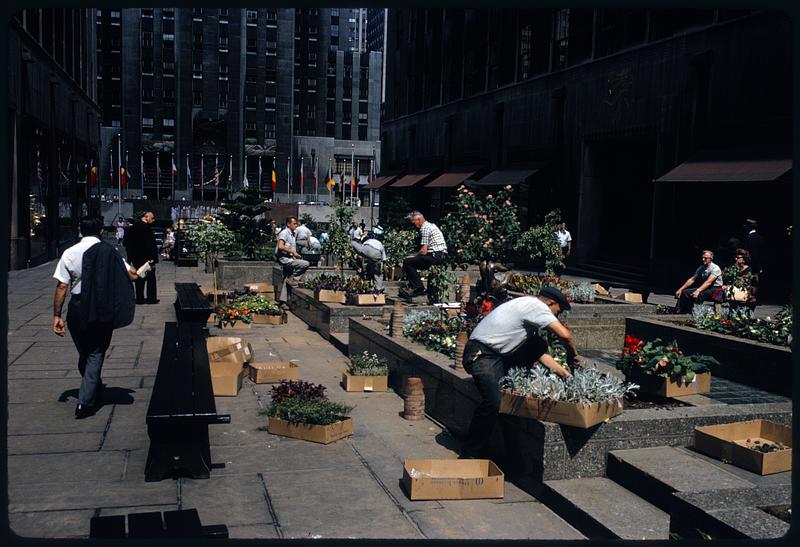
(293,264)
(701,285)
(432,252)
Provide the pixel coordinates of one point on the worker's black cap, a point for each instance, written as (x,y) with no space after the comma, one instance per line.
(557,296)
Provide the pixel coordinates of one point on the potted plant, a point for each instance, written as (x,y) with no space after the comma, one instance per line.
(776,331)
(263,310)
(302,411)
(328,287)
(366,372)
(398,244)
(586,398)
(362,292)
(434,330)
(210,237)
(663,369)
(232,317)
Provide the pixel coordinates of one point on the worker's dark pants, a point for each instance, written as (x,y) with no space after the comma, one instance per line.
(150,282)
(413,264)
(487,367)
(91,341)
(686,302)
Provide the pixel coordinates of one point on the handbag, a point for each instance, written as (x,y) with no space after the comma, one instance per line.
(740,295)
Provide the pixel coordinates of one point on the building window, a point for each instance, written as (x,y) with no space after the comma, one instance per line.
(198,40)
(168,14)
(169,96)
(223,12)
(312,83)
(147,66)
(147,94)
(197,14)
(312,56)
(169,39)
(250,99)
(252,45)
(362,117)
(169,122)
(116,123)
(197,98)
(146,12)
(252,16)
(312,30)
(223,43)
(313,11)
(272,15)
(269,131)
(169,68)
(270,100)
(147,39)
(334,30)
(116,14)
(250,76)
(147,122)
(311,111)
(223,100)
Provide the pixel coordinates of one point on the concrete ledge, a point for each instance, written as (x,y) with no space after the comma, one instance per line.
(327,317)
(549,451)
(765,366)
(276,273)
(233,274)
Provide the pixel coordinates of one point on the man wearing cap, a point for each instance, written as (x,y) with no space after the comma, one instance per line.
(509,337)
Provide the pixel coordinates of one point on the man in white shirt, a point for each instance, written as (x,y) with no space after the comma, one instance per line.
(293,264)
(305,241)
(90,341)
(375,254)
(564,240)
(706,279)
(509,337)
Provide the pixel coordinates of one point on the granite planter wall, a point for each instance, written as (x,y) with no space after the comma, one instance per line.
(327,317)
(756,364)
(549,451)
(233,274)
(276,273)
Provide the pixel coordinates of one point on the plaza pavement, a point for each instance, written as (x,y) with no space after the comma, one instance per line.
(63,471)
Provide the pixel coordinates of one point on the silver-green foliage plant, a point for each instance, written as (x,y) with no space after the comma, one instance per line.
(585,387)
(580,292)
(368,364)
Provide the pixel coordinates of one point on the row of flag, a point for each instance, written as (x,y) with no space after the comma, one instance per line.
(90,170)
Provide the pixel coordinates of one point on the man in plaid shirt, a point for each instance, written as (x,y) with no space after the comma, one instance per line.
(431,252)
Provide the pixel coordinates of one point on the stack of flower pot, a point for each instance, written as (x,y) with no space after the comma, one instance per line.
(414,407)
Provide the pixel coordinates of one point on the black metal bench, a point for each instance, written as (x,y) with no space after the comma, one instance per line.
(181,406)
(191,304)
(184,523)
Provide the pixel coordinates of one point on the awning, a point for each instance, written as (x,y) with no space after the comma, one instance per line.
(382,181)
(409,180)
(453,178)
(732,165)
(501,177)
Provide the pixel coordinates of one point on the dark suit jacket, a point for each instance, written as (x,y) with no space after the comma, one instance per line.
(140,242)
(107,294)
(755,244)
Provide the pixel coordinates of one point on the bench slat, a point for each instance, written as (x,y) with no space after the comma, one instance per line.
(204,394)
(160,399)
(183,388)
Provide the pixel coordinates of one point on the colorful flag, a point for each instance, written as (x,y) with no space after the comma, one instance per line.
(141,167)
(92,173)
(158,169)
(260,170)
(110,167)
(123,177)
(188,172)
(329,182)
(174,167)
(216,171)
(245,182)
(202,178)
(352,179)
(316,176)
(274,176)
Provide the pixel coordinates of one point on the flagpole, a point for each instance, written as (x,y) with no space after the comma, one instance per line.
(119,175)
(341,179)
(126,175)
(141,168)
(288,173)
(352,170)
(202,180)
(189,176)
(259,176)
(173,168)
(216,178)
(302,173)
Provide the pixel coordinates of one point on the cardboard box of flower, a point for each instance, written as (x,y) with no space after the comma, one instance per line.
(560,412)
(272,372)
(269,318)
(663,369)
(366,372)
(760,446)
(584,399)
(366,299)
(452,479)
(260,288)
(302,411)
(325,295)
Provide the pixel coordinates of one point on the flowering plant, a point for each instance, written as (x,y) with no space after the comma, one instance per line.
(229,315)
(356,285)
(256,303)
(399,244)
(434,330)
(480,227)
(368,364)
(656,358)
(303,402)
(327,282)
(586,385)
(574,291)
(776,331)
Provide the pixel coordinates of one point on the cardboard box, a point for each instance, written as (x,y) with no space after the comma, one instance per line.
(338,297)
(559,412)
(239,325)
(226,378)
(222,296)
(273,372)
(634,297)
(229,348)
(212,319)
(367,299)
(259,287)
(267,319)
(452,479)
(599,289)
(665,387)
(324,434)
(728,442)
(364,383)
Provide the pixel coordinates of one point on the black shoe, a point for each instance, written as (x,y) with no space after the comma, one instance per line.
(152,301)
(419,292)
(139,302)
(84,411)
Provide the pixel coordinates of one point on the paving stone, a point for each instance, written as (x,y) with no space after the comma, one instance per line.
(52,417)
(113,511)
(54,443)
(258,531)
(88,494)
(335,503)
(51,524)
(231,500)
(44,468)
(282,454)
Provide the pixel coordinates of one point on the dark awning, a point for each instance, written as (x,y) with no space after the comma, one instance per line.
(453,178)
(381,181)
(501,177)
(409,180)
(732,165)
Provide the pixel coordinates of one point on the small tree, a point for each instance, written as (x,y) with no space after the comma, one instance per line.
(211,237)
(540,242)
(246,217)
(480,228)
(338,239)
(394,209)
(399,244)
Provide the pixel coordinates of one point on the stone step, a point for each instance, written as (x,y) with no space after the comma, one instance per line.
(655,473)
(602,509)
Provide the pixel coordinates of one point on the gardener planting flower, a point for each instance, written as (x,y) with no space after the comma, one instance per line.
(509,337)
